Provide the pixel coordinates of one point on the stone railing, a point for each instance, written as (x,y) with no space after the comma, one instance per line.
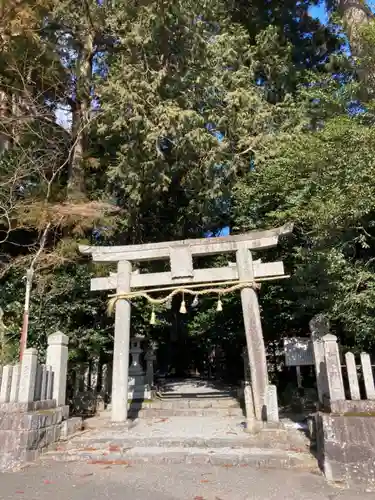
(330,377)
(344,429)
(31,382)
(33,413)
(89,386)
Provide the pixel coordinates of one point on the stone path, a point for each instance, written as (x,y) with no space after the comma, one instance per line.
(81,481)
(211,434)
(179,427)
(187,440)
(194,425)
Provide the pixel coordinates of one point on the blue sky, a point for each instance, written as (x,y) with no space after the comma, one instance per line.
(319,12)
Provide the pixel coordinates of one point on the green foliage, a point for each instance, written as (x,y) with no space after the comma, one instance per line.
(147,165)
(322,182)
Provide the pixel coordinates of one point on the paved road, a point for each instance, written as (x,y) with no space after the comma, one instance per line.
(80,481)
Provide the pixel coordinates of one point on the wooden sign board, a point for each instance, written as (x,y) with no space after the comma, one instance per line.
(298,352)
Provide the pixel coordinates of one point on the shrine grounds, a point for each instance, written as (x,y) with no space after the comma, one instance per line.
(82,481)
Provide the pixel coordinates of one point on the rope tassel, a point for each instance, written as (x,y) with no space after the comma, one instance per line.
(153,317)
(183,306)
(219,306)
(195,302)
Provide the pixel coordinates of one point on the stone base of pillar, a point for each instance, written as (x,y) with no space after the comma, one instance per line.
(249,407)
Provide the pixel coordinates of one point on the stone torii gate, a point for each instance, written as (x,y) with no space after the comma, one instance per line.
(180,254)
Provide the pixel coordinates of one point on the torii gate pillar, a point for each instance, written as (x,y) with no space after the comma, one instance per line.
(121,345)
(253,332)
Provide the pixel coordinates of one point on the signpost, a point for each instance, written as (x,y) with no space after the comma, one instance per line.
(298,352)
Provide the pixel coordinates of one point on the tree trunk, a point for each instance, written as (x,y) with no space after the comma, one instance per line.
(356,15)
(76,177)
(80,119)
(4,114)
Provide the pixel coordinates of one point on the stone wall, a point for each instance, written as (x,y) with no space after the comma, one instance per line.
(26,431)
(364,406)
(346,448)
(33,411)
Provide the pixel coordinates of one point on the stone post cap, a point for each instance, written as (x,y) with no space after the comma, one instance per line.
(31,351)
(319,325)
(58,338)
(329,338)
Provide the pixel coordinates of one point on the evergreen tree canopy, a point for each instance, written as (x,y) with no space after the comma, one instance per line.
(181,118)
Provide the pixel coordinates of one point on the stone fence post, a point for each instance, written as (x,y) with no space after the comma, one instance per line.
(6,383)
(29,368)
(368,376)
(15,387)
(319,326)
(57,359)
(333,367)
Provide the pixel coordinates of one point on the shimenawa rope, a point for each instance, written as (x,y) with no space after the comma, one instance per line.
(239,285)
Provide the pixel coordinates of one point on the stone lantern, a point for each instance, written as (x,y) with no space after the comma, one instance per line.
(138,389)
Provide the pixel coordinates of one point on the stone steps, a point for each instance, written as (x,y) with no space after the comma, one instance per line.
(282,440)
(252,457)
(230,394)
(185,440)
(184,407)
(276,449)
(184,403)
(189,412)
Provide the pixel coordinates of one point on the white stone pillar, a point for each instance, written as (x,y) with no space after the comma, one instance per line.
(368,376)
(272,404)
(49,375)
(29,368)
(57,359)
(121,346)
(38,383)
(253,331)
(352,376)
(333,364)
(319,326)
(43,390)
(6,384)
(15,387)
